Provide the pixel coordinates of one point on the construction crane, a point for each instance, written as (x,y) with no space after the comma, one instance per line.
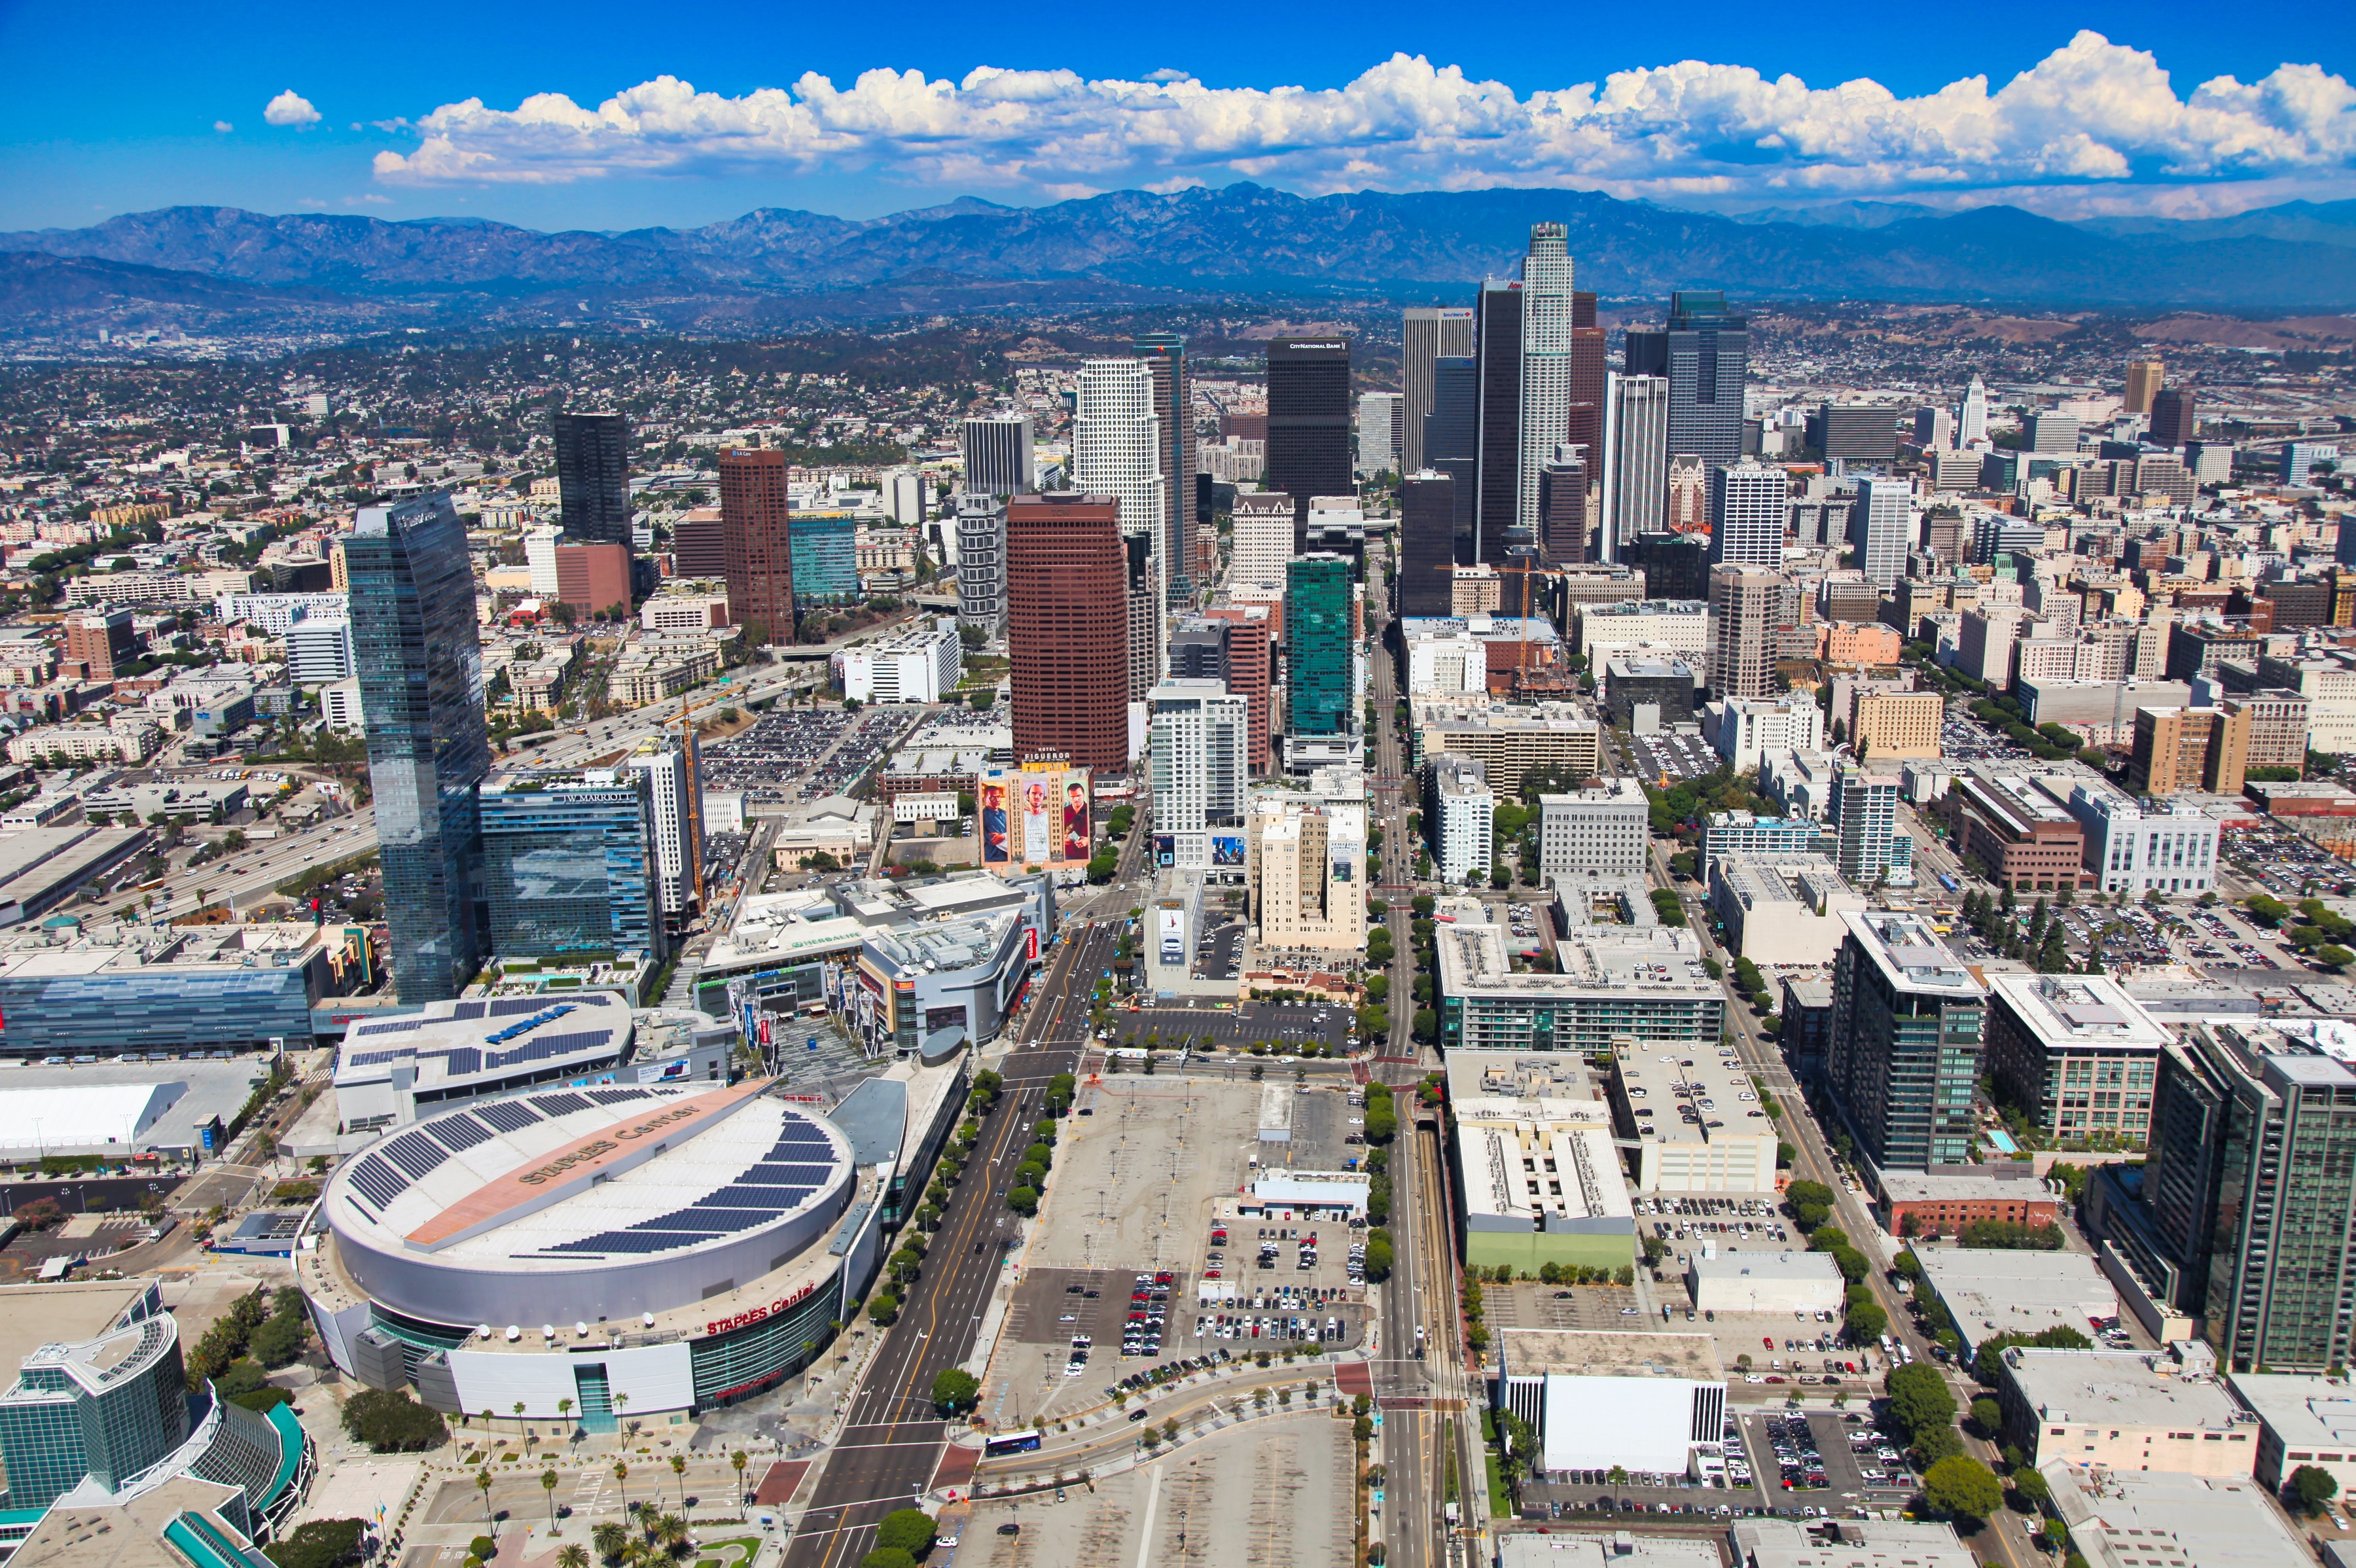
(1521,568)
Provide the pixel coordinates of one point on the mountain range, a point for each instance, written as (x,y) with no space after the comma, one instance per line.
(774,266)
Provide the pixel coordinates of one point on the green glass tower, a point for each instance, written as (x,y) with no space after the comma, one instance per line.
(1317,628)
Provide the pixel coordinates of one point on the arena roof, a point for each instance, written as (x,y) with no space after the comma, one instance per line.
(641,1199)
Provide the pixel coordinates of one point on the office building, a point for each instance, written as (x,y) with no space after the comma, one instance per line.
(2012,830)
(2251,1186)
(1627,978)
(1904,1055)
(981,562)
(1784,910)
(2051,435)
(1729,833)
(2279,725)
(340,708)
(570,863)
(1744,602)
(1750,731)
(1545,371)
(2302,1419)
(2132,1412)
(1971,422)
(1870,848)
(1427,547)
(412,609)
(539,559)
(1263,538)
(1321,646)
(1238,655)
(1509,741)
(1853,433)
(2179,750)
(1644,693)
(1309,421)
(1749,508)
(1934,429)
(998,456)
(919,666)
(1497,435)
(1305,871)
(99,638)
(1590,370)
(1199,735)
(2144,378)
(1601,830)
(2136,846)
(673,767)
(1381,419)
(1891,726)
(699,545)
(1460,809)
(593,478)
(1164,355)
(1117,452)
(2077,1055)
(2299,459)
(822,553)
(1649,627)
(756,522)
(593,577)
(1067,614)
(1881,529)
(1451,443)
(1427,335)
(320,650)
(1562,521)
(1705,353)
(1635,477)
(2175,416)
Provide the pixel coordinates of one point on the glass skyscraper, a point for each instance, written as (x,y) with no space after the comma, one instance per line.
(593,475)
(572,865)
(1317,610)
(1904,1054)
(825,552)
(421,675)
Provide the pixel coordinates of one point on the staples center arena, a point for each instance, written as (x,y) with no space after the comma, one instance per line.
(635,1251)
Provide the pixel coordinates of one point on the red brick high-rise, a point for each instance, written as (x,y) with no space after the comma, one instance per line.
(1067,628)
(754,528)
(102,638)
(593,577)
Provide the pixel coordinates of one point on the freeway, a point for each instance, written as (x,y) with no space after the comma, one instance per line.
(885,1455)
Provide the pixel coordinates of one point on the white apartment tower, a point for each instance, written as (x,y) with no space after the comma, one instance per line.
(1545,360)
(1880,527)
(1604,829)
(540,560)
(1116,451)
(1636,459)
(1200,740)
(1749,507)
(1262,538)
(981,562)
(675,783)
(1463,811)
(1382,430)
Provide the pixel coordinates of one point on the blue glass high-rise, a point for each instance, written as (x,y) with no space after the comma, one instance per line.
(421,675)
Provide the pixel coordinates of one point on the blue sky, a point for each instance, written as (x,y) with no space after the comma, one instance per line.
(598,115)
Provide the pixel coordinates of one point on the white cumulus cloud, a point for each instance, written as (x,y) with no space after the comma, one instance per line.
(2091,116)
(223,126)
(290,108)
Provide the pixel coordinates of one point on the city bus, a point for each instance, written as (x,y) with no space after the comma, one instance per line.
(1015,1443)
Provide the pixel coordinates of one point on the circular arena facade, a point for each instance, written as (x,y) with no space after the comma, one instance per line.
(593,1250)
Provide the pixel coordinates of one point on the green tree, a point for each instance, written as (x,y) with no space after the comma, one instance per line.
(2309,1488)
(908,1529)
(1961,1488)
(883,1308)
(1866,1321)
(1919,1399)
(954,1391)
(1987,1416)
(321,1543)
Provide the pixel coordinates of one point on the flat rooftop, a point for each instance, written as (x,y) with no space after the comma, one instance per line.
(1526,1159)
(1909,954)
(65,1313)
(1656,960)
(2080,1011)
(2143,1387)
(1994,1291)
(452,1043)
(1609,1353)
(1688,1096)
(2303,1410)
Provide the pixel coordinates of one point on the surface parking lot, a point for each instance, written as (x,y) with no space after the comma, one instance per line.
(1283,1026)
(1671,755)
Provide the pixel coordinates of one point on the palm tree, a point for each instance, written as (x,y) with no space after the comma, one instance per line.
(548,1485)
(622,1479)
(679,1468)
(483,1482)
(610,1538)
(564,1410)
(573,1556)
(671,1532)
(740,1459)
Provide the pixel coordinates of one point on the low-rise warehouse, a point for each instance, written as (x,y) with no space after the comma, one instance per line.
(2302,1420)
(2126,1410)
(1992,1291)
(1778,1281)
(1696,1121)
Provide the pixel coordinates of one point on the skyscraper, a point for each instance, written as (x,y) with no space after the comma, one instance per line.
(1546,361)
(1635,465)
(1199,735)
(1904,1052)
(569,864)
(1427,335)
(1744,602)
(1308,422)
(997,459)
(1117,452)
(981,560)
(1590,370)
(593,475)
(1498,434)
(1165,354)
(1881,529)
(2175,418)
(1428,544)
(1710,358)
(1749,507)
(1451,440)
(673,767)
(2144,378)
(1562,505)
(421,675)
(756,521)
(1971,424)
(1318,647)
(1235,654)
(1067,628)
(1379,425)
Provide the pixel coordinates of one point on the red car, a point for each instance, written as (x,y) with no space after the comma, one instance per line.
(1766,1341)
